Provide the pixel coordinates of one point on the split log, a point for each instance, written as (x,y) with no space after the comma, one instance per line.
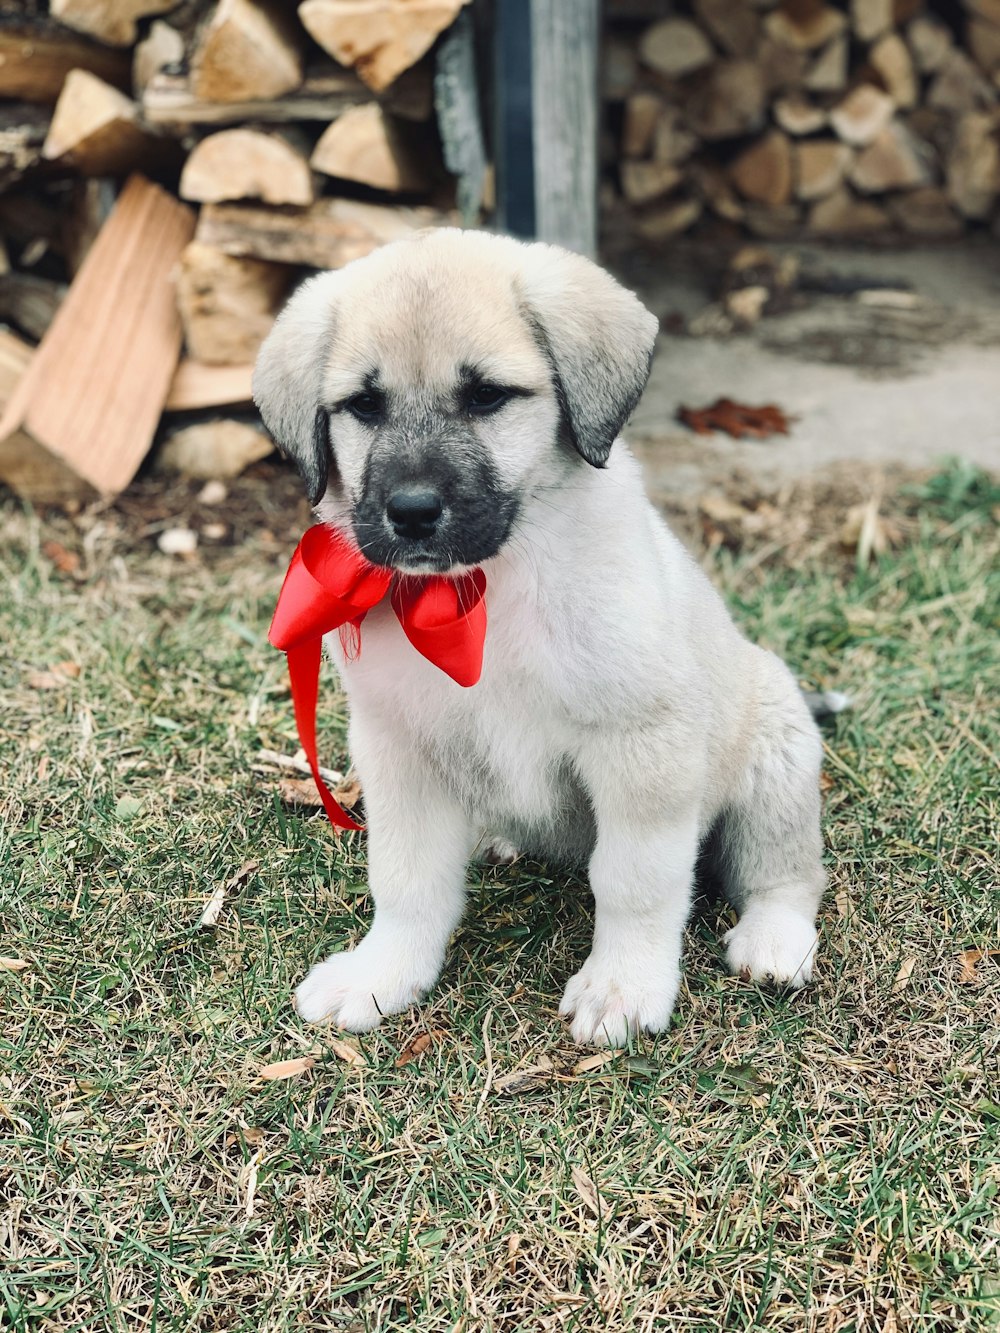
(169,100)
(841,215)
(796,115)
(84,413)
(926,213)
(15,357)
(378,38)
(930,41)
(364,145)
(763,172)
(329,234)
(642,111)
(97,129)
(673,141)
(973,171)
(984,43)
(34,63)
(675,47)
(894,160)
(805,28)
(643,182)
(959,86)
(163,46)
(619,67)
(196,386)
(227,304)
(891,61)
(862,115)
(30,302)
(728,101)
(733,24)
(248,50)
(819,167)
(111,21)
(985,9)
(871,18)
(211,450)
(667,220)
(249,164)
(829,72)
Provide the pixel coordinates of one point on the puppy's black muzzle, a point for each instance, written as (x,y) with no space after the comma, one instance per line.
(414,512)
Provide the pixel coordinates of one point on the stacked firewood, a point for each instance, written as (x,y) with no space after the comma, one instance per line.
(792,118)
(169,169)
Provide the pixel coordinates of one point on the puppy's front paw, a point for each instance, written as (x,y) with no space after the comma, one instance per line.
(356,990)
(772,943)
(606,1007)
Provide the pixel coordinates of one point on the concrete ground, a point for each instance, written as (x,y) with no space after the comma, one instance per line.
(876,384)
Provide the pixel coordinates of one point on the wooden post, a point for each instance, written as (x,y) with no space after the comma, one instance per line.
(564,98)
(546,120)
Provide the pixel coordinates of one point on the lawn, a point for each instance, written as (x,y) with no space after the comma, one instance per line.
(824,1161)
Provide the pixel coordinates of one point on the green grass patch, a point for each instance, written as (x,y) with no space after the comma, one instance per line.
(823,1161)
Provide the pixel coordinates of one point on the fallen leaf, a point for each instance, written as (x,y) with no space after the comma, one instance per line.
(298,791)
(420,1043)
(287,1068)
(213,908)
(13,964)
(528,1079)
(46,680)
(347,1053)
(721,510)
(843,900)
(736,419)
(66,562)
(970,960)
(68,669)
(903,975)
(251,1135)
(586,1189)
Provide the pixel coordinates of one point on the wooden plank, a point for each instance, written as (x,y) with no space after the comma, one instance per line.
(564,134)
(84,414)
(196,386)
(15,356)
(329,234)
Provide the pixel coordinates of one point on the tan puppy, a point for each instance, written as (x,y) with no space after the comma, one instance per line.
(453,401)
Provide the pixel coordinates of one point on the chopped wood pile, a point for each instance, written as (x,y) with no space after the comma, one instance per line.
(169,170)
(806,118)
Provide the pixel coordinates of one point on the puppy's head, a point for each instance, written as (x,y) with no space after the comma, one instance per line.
(425,391)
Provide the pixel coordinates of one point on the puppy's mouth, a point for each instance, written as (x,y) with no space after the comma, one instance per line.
(452,549)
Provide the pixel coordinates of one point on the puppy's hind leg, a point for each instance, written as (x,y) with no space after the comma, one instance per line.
(769,843)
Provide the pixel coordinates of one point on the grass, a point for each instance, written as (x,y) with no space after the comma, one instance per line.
(828,1161)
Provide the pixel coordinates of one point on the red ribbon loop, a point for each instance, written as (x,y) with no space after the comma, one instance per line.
(330,584)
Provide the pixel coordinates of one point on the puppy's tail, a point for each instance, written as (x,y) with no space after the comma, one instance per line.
(826,703)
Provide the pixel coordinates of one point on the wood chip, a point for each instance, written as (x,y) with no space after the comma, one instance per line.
(280,1069)
(592,1062)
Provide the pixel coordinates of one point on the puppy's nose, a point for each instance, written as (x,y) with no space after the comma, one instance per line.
(414,511)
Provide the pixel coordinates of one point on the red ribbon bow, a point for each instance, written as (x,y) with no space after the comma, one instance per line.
(330,584)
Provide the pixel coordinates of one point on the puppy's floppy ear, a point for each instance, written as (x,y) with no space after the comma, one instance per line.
(288,379)
(598,338)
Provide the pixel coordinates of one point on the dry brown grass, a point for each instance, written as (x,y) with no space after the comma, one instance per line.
(825,1162)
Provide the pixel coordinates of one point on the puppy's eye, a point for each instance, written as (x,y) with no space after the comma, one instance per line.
(365,406)
(486,398)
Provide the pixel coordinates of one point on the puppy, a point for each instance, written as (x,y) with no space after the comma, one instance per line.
(453,401)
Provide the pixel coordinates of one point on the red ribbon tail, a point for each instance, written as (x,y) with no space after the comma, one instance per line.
(303,673)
